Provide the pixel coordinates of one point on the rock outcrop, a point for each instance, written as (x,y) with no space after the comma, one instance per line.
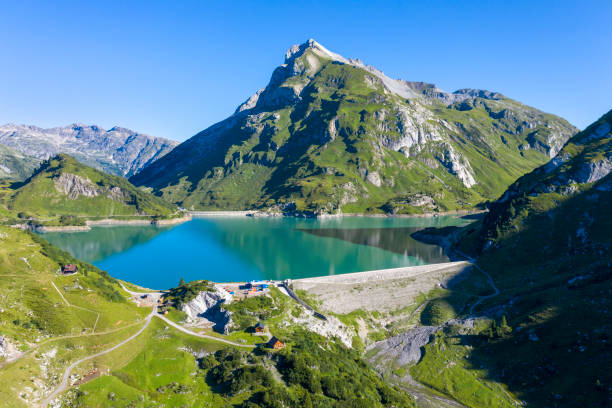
(404,348)
(207,306)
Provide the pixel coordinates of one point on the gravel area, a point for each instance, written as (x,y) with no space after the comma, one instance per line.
(382,290)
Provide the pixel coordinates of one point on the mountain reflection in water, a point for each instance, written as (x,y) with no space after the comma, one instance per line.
(397,240)
(103,241)
(224,249)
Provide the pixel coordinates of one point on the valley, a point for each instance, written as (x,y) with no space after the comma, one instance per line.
(343,239)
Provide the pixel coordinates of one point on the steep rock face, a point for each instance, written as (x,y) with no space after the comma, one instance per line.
(207,305)
(75,186)
(325,121)
(117,151)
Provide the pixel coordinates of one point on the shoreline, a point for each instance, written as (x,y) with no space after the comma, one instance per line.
(107,222)
(101,223)
(259,213)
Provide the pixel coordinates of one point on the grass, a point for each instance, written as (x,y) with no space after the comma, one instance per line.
(447,368)
(157,360)
(550,257)
(40,199)
(29,379)
(313,156)
(36,318)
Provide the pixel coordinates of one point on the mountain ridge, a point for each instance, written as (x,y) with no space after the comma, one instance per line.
(118,150)
(328,135)
(547,247)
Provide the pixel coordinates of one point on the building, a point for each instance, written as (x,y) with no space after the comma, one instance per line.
(275,344)
(259,328)
(70,269)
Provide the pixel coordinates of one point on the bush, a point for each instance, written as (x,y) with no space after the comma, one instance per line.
(437,312)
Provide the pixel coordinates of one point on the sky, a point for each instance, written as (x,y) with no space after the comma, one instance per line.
(172,69)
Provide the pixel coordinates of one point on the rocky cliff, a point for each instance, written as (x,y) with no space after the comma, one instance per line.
(117,151)
(207,305)
(330,134)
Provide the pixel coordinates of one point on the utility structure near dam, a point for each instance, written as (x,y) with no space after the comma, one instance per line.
(286,284)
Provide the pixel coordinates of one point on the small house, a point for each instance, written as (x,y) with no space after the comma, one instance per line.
(259,328)
(70,269)
(275,344)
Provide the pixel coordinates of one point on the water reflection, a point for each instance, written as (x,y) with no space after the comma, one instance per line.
(397,240)
(104,241)
(237,249)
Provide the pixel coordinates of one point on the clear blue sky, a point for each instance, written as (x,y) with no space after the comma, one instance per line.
(174,68)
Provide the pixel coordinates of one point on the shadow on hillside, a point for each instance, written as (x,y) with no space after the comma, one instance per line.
(555,278)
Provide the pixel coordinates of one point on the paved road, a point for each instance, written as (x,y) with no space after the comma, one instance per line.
(64,384)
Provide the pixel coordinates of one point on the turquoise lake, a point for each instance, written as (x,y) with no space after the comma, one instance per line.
(227,249)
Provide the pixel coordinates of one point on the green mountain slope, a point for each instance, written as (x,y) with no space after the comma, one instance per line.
(547,246)
(330,134)
(64,187)
(47,320)
(15,165)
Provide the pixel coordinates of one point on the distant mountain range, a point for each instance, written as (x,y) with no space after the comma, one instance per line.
(330,134)
(116,151)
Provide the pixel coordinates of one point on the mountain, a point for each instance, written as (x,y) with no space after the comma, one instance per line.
(547,247)
(582,166)
(117,151)
(15,165)
(331,134)
(62,186)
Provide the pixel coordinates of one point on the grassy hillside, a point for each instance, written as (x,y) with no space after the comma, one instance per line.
(326,136)
(547,246)
(15,165)
(311,371)
(48,320)
(67,192)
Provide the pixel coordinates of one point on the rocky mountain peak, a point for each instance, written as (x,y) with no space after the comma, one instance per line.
(298,50)
(318,102)
(118,151)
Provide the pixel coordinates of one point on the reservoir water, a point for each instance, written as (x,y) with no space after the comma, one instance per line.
(227,249)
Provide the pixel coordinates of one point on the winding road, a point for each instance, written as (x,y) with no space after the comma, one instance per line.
(64,384)
(204,336)
(489,278)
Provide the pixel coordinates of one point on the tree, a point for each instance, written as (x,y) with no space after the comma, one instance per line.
(307,402)
(503,329)
(182,282)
